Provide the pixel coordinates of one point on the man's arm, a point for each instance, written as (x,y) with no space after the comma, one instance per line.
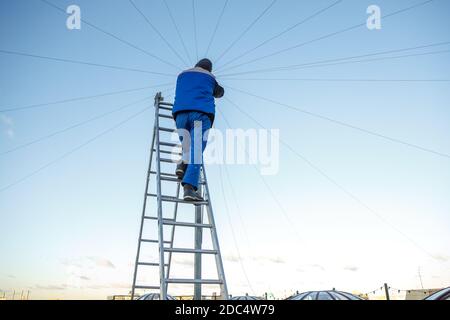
(218,91)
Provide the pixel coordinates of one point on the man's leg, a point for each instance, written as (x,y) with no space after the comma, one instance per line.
(200,123)
(183,128)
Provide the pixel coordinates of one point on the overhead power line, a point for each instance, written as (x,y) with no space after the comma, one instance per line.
(76,125)
(236,203)
(338,80)
(329,35)
(344,124)
(282,33)
(194,19)
(70,152)
(157,31)
(227,211)
(92,64)
(270,190)
(243,33)
(338,185)
(45,104)
(177,30)
(342,60)
(115,37)
(216,27)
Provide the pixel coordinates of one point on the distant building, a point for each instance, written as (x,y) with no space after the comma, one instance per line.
(120,297)
(419,294)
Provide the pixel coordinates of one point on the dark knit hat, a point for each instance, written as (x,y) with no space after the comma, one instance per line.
(205,64)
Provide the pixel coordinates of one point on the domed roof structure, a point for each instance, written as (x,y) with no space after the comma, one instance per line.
(153,296)
(443,294)
(324,295)
(246,297)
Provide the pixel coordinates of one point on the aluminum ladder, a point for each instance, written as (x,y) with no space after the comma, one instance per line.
(166,249)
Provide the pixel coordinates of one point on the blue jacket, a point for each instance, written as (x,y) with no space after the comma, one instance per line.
(196,90)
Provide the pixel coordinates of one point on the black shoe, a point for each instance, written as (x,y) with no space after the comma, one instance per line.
(190,194)
(181,169)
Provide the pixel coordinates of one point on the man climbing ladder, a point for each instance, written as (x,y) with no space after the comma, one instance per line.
(194,111)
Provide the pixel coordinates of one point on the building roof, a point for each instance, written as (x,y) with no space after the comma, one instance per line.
(324,295)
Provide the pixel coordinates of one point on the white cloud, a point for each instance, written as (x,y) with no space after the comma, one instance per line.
(231,258)
(351,268)
(51,287)
(10,133)
(261,259)
(8,121)
(317,266)
(7,126)
(102,262)
(441,258)
(88,262)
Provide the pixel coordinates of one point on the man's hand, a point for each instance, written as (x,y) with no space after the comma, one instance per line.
(218,91)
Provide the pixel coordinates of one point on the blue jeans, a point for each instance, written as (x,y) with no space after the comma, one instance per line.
(193,140)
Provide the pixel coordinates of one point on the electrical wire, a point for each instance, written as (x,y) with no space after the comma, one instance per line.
(194,18)
(177,30)
(72,151)
(115,37)
(233,234)
(289,221)
(45,104)
(249,27)
(282,33)
(338,185)
(92,64)
(338,80)
(216,27)
(345,124)
(319,65)
(74,126)
(157,31)
(329,35)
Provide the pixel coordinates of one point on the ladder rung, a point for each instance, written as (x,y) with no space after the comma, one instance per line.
(151,240)
(166,104)
(167,129)
(156,218)
(172,222)
(169,152)
(187,224)
(201,281)
(150,264)
(147,287)
(170,144)
(173,199)
(168,160)
(165,108)
(183,250)
(176,180)
(170,179)
(167,116)
(165,174)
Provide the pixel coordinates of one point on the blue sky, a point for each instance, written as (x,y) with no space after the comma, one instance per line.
(82,213)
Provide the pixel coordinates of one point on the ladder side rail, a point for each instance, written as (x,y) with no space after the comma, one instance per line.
(155,128)
(215,240)
(198,234)
(172,236)
(162,277)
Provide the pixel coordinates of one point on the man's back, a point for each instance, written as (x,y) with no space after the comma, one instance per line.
(194,110)
(196,90)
